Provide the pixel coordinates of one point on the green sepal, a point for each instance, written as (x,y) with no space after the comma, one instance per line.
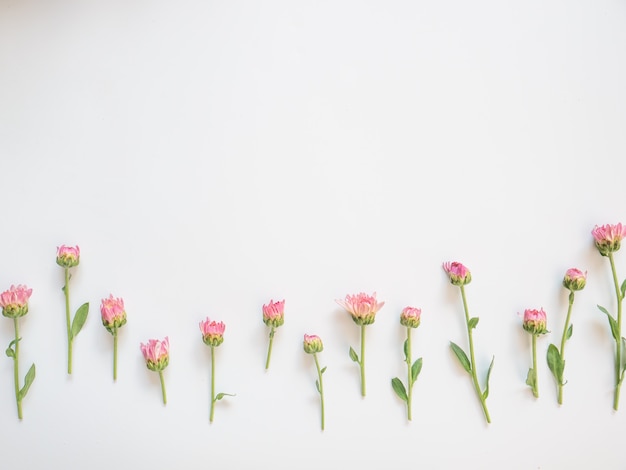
(353,355)
(612,322)
(398,387)
(415,370)
(28,380)
(406,348)
(79,319)
(486,392)
(323,370)
(623,288)
(570,330)
(462,357)
(531,378)
(219,396)
(472,322)
(556,364)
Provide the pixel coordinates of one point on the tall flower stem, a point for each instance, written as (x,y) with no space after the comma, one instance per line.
(563,340)
(269,349)
(472,359)
(535,382)
(114,354)
(409,363)
(618,340)
(16,373)
(321,390)
(163,387)
(213,381)
(66,290)
(362,360)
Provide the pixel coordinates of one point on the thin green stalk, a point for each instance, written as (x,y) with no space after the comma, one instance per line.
(114,353)
(16,373)
(362,360)
(213,382)
(536,382)
(563,340)
(409,364)
(472,360)
(163,387)
(66,290)
(618,340)
(269,349)
(321,390)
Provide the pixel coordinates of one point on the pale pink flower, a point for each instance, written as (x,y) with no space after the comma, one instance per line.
(212,332)
(608,237)
(458,273)
(312,344)
(535,321)
(156,353)
(113,313)
(362,307)
(575,279)
(14,302)
(68,256)
(274,313)
(410,317)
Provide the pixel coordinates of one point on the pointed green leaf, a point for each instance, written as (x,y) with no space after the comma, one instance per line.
(623,364)
(406,348)
(28,380)
(462,357)
(79,319)
(9,352)
(317,386)
(398,387)
(415,370)
(353,355)
(556,364)
(323,370)
(570,330)
(486,392)
(612,322)
(531,378)
(472,322)
(219,396)
(623,288)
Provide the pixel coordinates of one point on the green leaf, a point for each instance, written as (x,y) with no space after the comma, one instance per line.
(323,370)
(623,288)
(570,330)
(623,364)
(398,387)
(415,370)
(472,322)
(406,348)
(28,380)
(10,352)
(531,378)
(353,355)
(79,319)
(219,396)
(486,392)
(612,322)
(462,357)
(556,364)
(317,386)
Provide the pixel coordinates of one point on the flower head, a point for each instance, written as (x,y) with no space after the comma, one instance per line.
(274,313)
(212,332)
(608,237)
(14,302)
(535,321)
(458,273)
(113,313)
(410,317)
(312,344)
(362,307)
(574,279)
(68,256)
(156,353)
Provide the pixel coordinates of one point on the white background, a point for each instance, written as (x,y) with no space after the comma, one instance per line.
(208,156)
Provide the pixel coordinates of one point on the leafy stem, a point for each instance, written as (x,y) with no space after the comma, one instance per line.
(16,374)
(163,387)
(320,385)
(269,349)
(66,291)
(362,360)
(619,366)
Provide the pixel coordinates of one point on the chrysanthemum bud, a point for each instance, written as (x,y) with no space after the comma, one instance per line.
(574,279)
(68,256)
(410,317)
(459,274)
(312,344)
(535,321)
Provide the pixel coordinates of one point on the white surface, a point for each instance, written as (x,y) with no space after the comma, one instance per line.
(208,156)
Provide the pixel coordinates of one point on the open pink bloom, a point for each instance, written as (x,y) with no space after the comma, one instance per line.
(68,256)
(410,317)
(608,237)
(458,273)
(14,302)
(362,307)
(535,321)
(156,353)
(212,332)
(575,279)
(312,344)
(113,313)
(274,313)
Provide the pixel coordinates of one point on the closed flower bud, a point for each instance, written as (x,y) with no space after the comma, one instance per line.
(459,275)
(68,256)
(14,302)
(113,313)
(312,344)
(156,353)
(274,313)
(608,237)
(574,279)
(535,321)
(410,317)
(212,332)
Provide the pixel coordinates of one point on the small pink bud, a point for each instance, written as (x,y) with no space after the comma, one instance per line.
(608,237)
(575,279)
(459,275)
(156,353)
(410,317)
(274,313)
(113,313)
(361,307)
(535,321)
(68,256)
(312,344)
(212,332)
(14,302)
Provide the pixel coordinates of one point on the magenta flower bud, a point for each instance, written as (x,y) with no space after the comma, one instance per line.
(575,279)
(113,313)
(535,321)
(459,275)
(14,302)
(361,307)
(608,237)
(68,256)
(410,317)
(212,332)
(312,344)
(156,353)
(274,313)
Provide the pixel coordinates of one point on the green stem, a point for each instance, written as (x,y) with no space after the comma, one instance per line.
(66,290)
(319,375)
(163,387)
(114,354)
(213,382)
(472,360)
(269,349)
(618,340)
(362,360)
(410,379)
(536,382)
(16,373)
(563,340)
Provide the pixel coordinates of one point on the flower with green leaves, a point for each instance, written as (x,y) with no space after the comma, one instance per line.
(113,318)
(157,356)
(273,316)
(535,323)
(312,345)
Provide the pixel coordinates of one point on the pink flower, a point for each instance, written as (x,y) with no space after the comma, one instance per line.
(212,332)
(156,353)
(535,321)
(274,313)
(312,344)
(113,313)
(14,302)
(608,237)
(575,279)
(68,256)
(459,274)
(410,317)
(362,307)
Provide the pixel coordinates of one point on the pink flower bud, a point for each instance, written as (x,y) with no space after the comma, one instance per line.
(113,313)
(535,321)
(459,275)
(156,353)
(14,302)
(410,317)
(361,307)
(274,313)
(68,256)
(212,332)
(312,344)
(575,279)
(608,237)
